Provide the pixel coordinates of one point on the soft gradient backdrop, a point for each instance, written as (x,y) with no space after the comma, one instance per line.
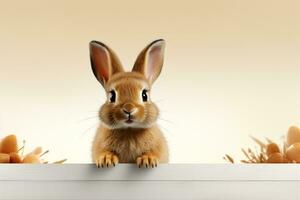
(232,69)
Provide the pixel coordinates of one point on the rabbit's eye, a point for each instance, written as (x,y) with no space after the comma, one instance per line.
(112,96)
(145,95)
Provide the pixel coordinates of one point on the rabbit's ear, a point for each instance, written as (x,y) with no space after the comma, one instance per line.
(150,60)
(104,62)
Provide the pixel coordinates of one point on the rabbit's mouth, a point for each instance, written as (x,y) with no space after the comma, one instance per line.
(129,120)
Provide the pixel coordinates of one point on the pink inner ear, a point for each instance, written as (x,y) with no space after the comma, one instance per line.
(153,61)
(104,73)
(101,63)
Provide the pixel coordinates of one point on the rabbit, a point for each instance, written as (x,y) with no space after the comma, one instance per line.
(128,132)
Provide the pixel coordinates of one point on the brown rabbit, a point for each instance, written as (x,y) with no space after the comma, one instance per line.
(128,132)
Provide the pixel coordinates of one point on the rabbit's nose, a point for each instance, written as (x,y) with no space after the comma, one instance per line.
(129,108)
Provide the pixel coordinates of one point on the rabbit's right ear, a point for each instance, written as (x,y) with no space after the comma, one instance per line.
(104,62)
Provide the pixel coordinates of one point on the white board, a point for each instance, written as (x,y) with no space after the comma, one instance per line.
(172,181)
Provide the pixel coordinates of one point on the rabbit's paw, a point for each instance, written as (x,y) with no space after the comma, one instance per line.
(147,160)
(107,159)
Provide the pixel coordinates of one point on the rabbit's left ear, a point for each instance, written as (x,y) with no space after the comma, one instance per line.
(150,60)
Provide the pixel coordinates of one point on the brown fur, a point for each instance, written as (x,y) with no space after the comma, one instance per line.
(116,140)
(129,144)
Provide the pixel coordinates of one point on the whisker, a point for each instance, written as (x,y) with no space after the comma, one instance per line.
(88,118)
(165,120)
(165,129)
(92,111)
(88,129)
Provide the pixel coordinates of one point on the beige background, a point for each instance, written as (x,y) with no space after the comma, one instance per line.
(232,69)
